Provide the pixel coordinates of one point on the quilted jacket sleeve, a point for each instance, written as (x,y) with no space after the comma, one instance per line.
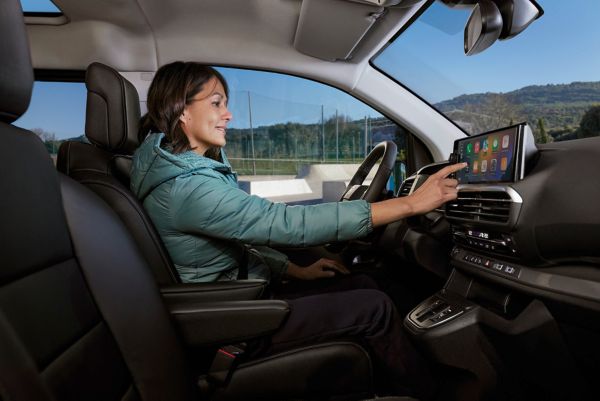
(207,206)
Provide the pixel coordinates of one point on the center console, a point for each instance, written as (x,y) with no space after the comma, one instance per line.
(488,318)
(482,219)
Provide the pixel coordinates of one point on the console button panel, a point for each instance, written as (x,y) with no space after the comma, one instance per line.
(493,265)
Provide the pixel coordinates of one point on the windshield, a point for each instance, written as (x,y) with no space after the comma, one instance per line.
(548,75)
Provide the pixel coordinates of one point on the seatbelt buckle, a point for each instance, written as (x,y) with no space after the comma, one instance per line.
(226,360)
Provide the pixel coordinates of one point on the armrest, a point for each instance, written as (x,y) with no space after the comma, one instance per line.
(240,290)
(227,322)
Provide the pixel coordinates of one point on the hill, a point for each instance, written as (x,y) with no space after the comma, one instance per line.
(559,106)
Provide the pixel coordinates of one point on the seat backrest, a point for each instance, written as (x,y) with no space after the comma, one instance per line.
(81,317)
(112,120)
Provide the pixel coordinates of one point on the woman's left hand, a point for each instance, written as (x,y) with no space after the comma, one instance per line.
(322,268)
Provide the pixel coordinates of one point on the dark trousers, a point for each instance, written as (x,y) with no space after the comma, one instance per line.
(352,307)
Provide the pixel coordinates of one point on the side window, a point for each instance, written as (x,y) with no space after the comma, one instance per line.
(297,141)
(56,113)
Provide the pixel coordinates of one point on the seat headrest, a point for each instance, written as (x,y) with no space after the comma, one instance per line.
(16,73)
(112,111)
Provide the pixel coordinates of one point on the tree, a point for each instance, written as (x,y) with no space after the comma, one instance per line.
(541,134)
(495,110)
(502,108)
(590,123)
(49,139)
(44,135)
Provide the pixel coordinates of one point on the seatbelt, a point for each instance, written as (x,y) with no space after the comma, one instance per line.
(243,267)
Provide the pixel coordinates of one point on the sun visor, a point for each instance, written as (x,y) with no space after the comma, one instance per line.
(332,29)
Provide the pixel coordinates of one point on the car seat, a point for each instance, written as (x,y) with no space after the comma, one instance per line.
(81,316)
(103,165)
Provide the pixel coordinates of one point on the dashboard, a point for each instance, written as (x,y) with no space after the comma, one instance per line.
(522,284)
(526,216)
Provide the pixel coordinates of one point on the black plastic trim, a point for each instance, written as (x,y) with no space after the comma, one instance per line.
(571,290)
(52,75)
(44,14)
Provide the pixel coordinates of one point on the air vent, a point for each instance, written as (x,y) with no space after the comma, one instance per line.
(406,187)
(483,206)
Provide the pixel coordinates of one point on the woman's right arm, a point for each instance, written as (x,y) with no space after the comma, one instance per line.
(205,206)
(435,191)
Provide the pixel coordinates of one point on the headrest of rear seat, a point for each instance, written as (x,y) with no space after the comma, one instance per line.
(112,111)
(16,73)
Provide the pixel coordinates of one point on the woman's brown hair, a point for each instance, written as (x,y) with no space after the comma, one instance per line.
(172,89)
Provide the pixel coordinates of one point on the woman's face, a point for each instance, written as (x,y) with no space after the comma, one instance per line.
(204,120)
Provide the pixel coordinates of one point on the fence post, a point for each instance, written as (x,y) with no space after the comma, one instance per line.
(366,143)
(323,132)
(337,138)
(251,135)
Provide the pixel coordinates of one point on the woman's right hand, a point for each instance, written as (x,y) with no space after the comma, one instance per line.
(435,191)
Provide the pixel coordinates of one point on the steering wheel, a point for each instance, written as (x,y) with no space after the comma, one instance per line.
(386,151)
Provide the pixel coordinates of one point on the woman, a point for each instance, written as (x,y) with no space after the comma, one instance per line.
(186,184)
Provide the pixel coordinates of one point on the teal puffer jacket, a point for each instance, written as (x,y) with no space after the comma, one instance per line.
(203,217)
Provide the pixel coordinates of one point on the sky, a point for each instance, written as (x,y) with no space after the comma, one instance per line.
(561,47)
(38,5)
(278,97)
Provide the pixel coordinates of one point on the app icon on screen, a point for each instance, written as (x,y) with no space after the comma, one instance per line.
(475,167)
(495,144)
(469,148)
(493,164)
(477,147)
(483,166)
(484,147)
(503,164)
(505,141)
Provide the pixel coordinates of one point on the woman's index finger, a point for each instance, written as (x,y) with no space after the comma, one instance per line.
(446,171)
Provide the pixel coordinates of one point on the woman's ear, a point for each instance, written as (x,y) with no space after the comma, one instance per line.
(184,116)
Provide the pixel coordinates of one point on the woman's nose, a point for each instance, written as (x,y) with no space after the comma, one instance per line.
(227,115)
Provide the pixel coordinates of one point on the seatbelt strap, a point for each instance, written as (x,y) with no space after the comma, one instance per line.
(243,267)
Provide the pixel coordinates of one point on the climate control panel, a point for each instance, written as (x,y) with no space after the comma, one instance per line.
(484,240)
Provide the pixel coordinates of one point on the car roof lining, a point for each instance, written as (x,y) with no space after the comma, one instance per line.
(144,34)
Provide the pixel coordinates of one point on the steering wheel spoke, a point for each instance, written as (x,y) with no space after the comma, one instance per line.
(354,192)
(384,151)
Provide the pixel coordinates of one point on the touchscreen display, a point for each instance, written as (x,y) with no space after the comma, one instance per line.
(490,157)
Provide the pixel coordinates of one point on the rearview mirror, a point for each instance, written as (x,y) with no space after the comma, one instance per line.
(483,27)
(517,15)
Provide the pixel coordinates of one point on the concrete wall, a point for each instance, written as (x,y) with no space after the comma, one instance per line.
(314,183)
